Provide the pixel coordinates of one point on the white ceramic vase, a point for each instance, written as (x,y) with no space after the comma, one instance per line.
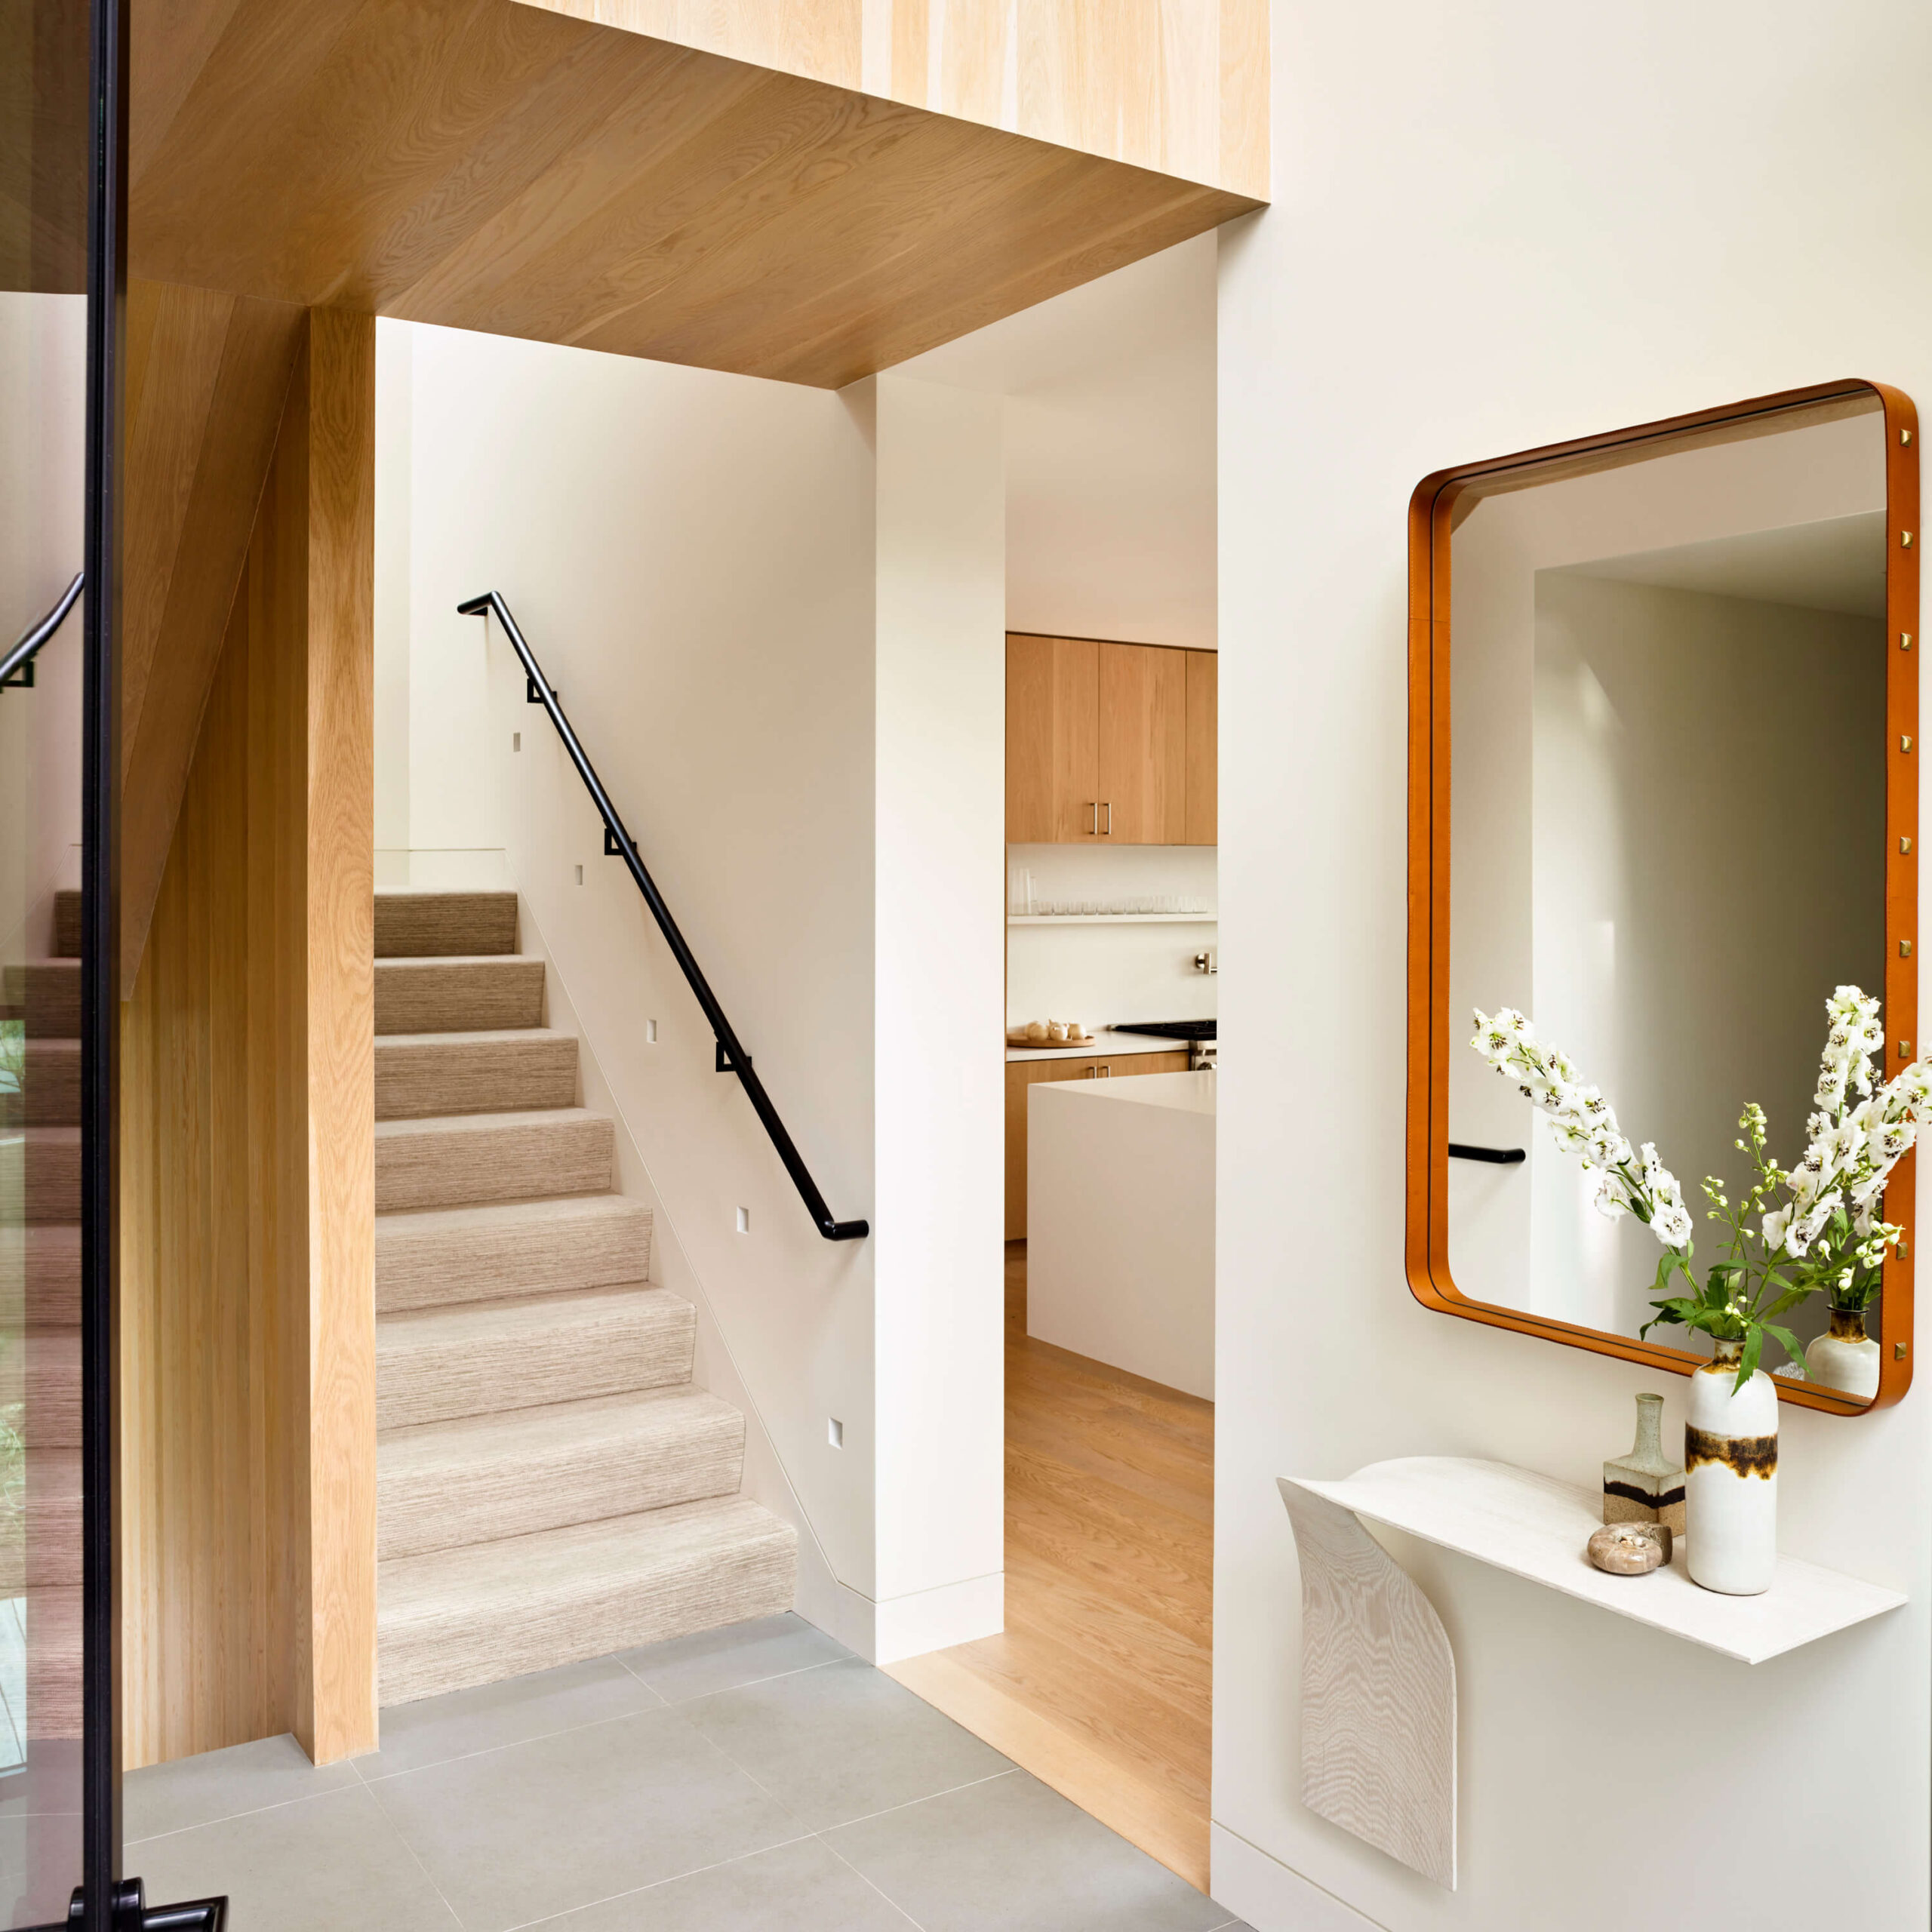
(1731,1478)
(1846,1358)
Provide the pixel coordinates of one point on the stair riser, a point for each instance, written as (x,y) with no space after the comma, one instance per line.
(433,1370)
(516,1161)
(40,1276)
(52,1552)
(417,1080)
(41,1370)
(534,1486)
(417,1268)
(46,995)
(416,924)
(66,926)
(40,1177)
(49,1093)
(455,1647)
(457,995)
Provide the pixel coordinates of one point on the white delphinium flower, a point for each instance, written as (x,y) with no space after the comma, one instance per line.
(1584,1124)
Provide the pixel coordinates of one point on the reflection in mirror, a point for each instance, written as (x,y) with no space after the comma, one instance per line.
(1667,838)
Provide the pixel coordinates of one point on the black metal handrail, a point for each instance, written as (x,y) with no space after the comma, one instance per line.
(1503,1157)
(21,657)
(732,1057)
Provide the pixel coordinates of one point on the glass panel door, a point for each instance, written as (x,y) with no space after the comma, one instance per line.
(44,360)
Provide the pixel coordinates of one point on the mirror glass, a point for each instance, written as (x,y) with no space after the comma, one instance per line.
(1668,836)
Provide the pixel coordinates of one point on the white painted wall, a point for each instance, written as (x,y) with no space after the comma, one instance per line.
(940,1095)
(735,596)
(1497,227)
(1110,412)
(1100,974)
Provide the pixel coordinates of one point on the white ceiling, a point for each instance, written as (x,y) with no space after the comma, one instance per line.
(1838,564)
(1109,448)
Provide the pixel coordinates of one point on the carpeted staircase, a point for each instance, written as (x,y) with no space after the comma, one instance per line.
(550,1485)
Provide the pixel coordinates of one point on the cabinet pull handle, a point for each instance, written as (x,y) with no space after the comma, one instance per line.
(1109,831)
(1092,819)
(1106,1073)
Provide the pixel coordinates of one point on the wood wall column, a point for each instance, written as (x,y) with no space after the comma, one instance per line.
(248,1266)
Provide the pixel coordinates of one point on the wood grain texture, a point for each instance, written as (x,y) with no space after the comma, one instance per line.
(340,526)
(490,165)
(1438,501)
(1203,814)
(1180,86)
(1053,740)
(248,1431)
(207,373)
(1143,745)
(1022,1075)
(1378,1693)
(1100,1685)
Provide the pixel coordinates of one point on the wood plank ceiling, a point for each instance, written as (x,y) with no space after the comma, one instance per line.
(500,167)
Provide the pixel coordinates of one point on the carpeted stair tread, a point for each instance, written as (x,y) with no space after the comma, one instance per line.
(425,1258)
(458,1617)
(513,1070)
(414,924)
(477,1358)
(40,1175)
(66,926)
(40,1275)
(444,1483)
(457,1159)
(49,1093)
(458,993)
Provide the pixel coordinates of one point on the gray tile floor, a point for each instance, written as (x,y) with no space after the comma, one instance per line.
(754,1777)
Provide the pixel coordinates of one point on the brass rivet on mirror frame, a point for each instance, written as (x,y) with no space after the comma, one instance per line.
(1905,845)
(1904,435)
(1905,1050)
(1905,640)
(1905,539)
(1905,949)
(1898,1351)
(1905,742)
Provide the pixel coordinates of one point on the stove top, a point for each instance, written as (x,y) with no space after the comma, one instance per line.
(1172,1030)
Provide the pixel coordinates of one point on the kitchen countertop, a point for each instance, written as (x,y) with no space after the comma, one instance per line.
(1104,1042)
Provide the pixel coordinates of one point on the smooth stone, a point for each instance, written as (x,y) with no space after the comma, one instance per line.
(1626,1549)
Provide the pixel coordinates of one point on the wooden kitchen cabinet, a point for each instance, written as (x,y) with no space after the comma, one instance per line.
(1108,743)
(1203,736)
(1023,1074)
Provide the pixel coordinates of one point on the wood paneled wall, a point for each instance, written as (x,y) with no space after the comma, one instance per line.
(247,1288)
(207,375)
(1178,86)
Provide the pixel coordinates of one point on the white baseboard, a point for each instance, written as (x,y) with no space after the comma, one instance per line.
(1270,1895)
(936,1619)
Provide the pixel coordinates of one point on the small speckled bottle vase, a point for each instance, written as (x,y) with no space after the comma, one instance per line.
(1847,1358)
(1646,1486)
(1731,1478)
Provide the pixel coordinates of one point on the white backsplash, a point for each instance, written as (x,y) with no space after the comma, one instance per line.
(1125,971)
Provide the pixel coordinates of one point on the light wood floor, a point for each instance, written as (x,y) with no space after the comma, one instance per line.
(1099,1685)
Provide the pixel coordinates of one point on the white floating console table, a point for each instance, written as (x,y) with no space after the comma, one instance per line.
(1378,1684)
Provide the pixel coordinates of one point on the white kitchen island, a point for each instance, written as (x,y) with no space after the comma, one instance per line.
(1120,1247)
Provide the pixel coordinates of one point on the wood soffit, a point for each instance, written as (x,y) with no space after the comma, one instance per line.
(489,165)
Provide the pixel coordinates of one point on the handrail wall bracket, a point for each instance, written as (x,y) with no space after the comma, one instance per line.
(732,1057)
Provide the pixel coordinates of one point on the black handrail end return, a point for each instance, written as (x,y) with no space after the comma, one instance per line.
(618,844)
(1502,1157)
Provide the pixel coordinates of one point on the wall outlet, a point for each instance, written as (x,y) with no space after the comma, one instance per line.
(650,1033)
(744,1220)
(834,1431)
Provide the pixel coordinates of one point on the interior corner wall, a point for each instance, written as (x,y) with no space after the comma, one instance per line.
(940,960)
(1498,231)
(691,555)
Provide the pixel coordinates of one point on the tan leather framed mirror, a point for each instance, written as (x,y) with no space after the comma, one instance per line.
(1663,719)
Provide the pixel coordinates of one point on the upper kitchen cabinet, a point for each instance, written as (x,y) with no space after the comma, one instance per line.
(1204,671)
(1108,743)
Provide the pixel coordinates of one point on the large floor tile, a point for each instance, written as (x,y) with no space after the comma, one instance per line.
(320,1865)
(841,1742)
(519,1709)
(800,1887)
(560,1822)
(712,1660)
(223,1784)
(1010,1856)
